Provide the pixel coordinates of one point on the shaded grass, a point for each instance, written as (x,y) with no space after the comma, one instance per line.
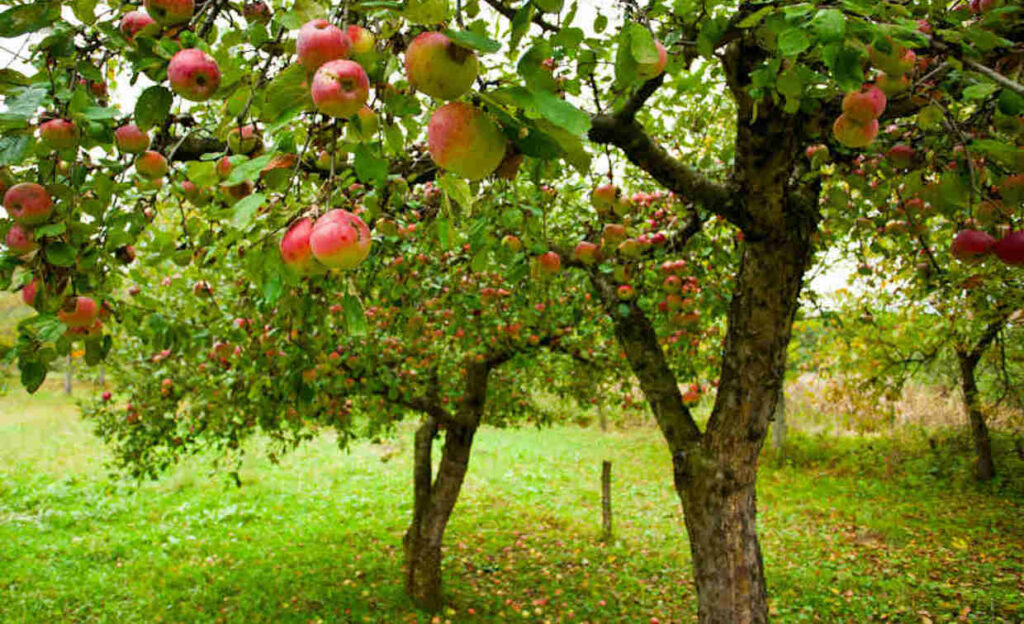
(317,537)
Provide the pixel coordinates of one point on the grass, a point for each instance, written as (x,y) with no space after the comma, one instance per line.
(853,530)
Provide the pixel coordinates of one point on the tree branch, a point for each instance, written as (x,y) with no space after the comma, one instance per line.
(510,14)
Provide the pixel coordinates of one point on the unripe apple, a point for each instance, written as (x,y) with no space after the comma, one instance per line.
(170,12)
(512,243)
(971,245)
(548,263)
(588,253)
(130,139)
(603,197)
(340,88)
(613,234)
(28,203)
(864,105)
(896,62)
(1010,248)
(151,165)
(195,195)
(19,240)
(135,23)
(361,39)
(891,86)
(439,67)
(59,134)
(29,292)
(340,240)
(462,139)
(852,134)
(244,140)
(193,74)
(78,312)
(646,71)
(320,42)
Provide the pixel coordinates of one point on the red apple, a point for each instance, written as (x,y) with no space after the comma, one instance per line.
(193,75)
(223,168)
(151,165)
(78,312)
(28,203)
(320,42)
(462,139)
(257,12)
(295,250)
(29,292)
(548,263)
(195,195)
(19,240)
(864,105)
(588,253)
(439,67)
(340,240)
(170,12)
(901,156)
(130,139)
(244,140)
(1010,248)
(340,88)
(362,40)
(603,198)
(512,243)
(625,292)
(971,245)
(135,23)
(59,134)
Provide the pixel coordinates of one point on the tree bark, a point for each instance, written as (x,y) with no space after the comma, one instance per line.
(433,508)
(606,499)
(984,467)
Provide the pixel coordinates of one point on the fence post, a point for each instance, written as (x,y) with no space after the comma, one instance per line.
(606,498)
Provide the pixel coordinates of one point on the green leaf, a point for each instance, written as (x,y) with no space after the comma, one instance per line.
(426,12)
(470,39)
(13,148)
(369,168)
(549,6)
(84,10)
(28,18)
(600,23)
(755,18)
(247,170)
(33,373)
(202,173)
(562,113)
(457,189)
(531,68)
(100,113)
(355,318)
(829,25)
(520,24)
(153,106)
(979,91)
(245,210)
(52,229)
(308,10)
(60,254)
(286,91)
(793,41)
(641,44)
(846,67)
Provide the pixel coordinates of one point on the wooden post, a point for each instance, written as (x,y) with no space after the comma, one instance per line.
(602,418)
(67,376)
(606,499)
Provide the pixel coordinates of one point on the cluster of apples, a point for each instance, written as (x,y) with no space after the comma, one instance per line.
(336,240)
(972,245)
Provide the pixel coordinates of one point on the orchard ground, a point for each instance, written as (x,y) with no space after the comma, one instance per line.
(853,530)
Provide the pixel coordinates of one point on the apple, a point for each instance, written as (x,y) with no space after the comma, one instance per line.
(125,254)
(223,168)
(603,198)
(135,23)
(439,67)
(151,165)
(901,156)
(77,312)
(130,139)
(19,240)
(892,86)
(238,191)
(588,253)
(548,263)
(1010,248)
(625,292)
(896,62)
(59,134)
(613,234)
(170,12)
(971,245)
(340,240)
(28,203)
(245,139)
(852,134)
(864,105)
(257,12)
(295,251)
(320,42)
(1012,189)
(29,292)
(195,195)
(361,39)
(340,88)
(193,74)
(646,71)
(512,243)
(462,139)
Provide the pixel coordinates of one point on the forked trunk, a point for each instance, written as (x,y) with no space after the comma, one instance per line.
(432,509)
(984,467)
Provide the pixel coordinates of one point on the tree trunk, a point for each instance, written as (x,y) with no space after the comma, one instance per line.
(984,467)
(433,507)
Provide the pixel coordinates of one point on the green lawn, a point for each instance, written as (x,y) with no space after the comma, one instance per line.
(317,537)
